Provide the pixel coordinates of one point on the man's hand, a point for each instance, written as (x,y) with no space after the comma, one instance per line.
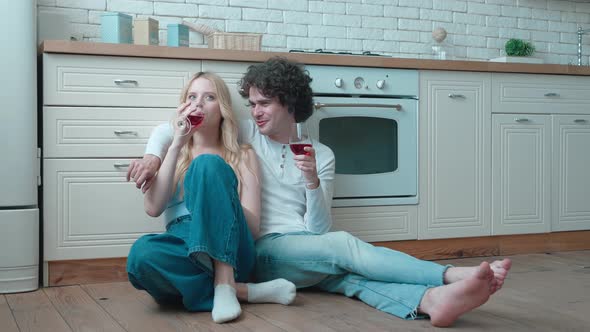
(143,171)
(307,164)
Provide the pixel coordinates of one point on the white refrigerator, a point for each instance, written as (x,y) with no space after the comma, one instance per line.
(19,155)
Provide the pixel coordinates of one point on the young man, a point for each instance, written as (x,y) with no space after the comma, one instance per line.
(294,241)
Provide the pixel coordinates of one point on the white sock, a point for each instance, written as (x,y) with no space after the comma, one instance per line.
(275,291)
(225,304)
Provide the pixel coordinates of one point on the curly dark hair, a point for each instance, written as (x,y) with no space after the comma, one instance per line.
(287,80)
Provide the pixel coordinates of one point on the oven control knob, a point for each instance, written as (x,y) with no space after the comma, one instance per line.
(338,82)
(359,83)
(380,84)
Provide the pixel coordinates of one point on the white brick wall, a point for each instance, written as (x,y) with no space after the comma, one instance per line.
(477,29)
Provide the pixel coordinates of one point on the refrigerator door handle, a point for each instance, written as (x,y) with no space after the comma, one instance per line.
(39,155)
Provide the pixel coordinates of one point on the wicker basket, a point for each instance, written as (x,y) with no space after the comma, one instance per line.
(234,41)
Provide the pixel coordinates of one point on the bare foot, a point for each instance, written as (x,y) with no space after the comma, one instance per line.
(500,269)
(444,304)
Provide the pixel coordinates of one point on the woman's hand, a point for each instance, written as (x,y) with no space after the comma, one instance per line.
(307,164)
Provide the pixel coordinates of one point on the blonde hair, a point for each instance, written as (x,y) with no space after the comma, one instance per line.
(232,151)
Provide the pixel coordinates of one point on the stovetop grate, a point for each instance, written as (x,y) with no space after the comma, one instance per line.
(321,51)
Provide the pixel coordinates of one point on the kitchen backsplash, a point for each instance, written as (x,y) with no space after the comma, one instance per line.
(477,29)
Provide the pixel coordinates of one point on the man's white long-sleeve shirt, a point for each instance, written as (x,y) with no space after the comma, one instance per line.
(287,205)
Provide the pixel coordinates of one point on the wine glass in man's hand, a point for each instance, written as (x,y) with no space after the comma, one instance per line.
(299,138)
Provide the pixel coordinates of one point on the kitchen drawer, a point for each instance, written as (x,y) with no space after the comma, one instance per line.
(82,80)
(545,94)
(99,132)
(377,223)
(90,211)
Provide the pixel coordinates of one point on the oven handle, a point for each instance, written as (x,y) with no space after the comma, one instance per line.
(396,106)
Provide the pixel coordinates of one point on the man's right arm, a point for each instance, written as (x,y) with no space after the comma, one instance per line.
(142,171)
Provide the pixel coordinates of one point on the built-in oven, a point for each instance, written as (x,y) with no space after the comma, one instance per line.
(369,118)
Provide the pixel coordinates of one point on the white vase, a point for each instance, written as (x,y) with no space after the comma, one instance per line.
(441,51)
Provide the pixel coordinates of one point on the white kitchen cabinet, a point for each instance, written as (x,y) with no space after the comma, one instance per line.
(90,210)
(571,178)
(87,80)
(79,132)
(540,94)
(377,223)
(455,120)
(98,112)
(543,186)
(521,173)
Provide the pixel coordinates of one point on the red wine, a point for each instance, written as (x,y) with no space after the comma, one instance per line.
(196,119)
(298,148)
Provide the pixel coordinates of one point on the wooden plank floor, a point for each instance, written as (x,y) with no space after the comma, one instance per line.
(544,292)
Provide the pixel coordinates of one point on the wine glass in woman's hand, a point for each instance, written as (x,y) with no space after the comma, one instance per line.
(184,123)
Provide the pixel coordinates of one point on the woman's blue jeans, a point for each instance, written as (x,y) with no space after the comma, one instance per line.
(338,262)
(175,266)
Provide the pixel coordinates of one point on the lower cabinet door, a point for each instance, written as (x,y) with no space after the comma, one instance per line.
(571,163)
(454,155)
(90,211)
(521,173)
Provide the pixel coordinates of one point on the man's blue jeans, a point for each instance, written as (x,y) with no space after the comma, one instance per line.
(338,262)
(175,267)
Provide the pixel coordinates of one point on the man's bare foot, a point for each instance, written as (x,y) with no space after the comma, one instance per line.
(500,269)
(444,304)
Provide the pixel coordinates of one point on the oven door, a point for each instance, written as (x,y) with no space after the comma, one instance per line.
(375,142)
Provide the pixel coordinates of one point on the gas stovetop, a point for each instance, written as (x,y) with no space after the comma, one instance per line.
(321,51)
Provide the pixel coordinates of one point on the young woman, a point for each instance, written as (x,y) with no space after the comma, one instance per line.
(208,186)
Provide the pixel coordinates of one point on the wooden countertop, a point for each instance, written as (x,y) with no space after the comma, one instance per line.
(73,47)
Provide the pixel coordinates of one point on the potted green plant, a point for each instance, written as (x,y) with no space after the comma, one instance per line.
(519,47)
(518,50)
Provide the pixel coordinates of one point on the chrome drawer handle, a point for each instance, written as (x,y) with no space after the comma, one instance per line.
(120,165)
(520,120)
(119,82)
(579,121)
(551,94)
(320,105)
(125,132)
(456,96)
